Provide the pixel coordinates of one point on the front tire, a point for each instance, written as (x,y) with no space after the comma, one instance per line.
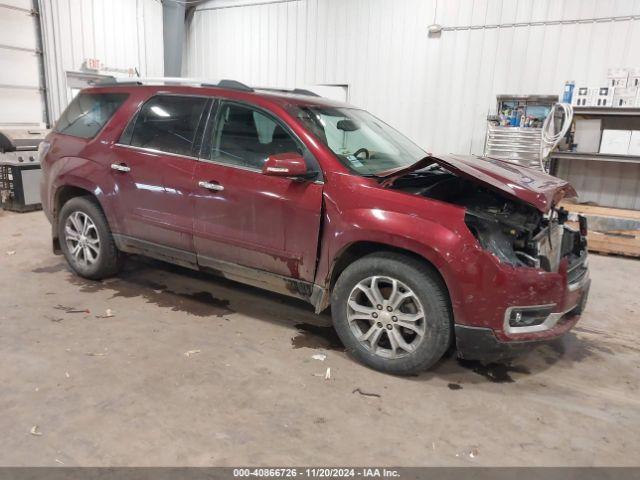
(392,313)
(86,240)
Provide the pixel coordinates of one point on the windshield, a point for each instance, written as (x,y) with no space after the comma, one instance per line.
(362,142)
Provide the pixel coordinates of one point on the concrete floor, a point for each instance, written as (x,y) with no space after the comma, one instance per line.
(121,391)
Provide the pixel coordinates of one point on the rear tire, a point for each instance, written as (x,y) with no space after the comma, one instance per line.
(392,313)
(86,240)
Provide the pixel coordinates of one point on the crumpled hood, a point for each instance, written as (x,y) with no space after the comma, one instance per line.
(536,188)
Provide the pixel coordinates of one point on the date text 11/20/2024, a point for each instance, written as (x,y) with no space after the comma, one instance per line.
(316,472)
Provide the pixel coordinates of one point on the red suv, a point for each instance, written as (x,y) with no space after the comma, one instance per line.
(316,199)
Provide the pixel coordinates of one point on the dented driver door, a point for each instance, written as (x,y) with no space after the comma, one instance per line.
(244,217)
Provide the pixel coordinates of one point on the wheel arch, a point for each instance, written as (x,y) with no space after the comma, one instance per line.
(356,250)
(361,248)
(62,195)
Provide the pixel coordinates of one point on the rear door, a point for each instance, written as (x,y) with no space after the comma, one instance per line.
(244,217)
(153,166)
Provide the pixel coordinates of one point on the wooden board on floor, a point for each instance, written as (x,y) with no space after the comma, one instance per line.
(617,244)
(601,211)
(620,242)
(611,241)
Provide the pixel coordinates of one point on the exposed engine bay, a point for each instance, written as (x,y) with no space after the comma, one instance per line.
(517,233)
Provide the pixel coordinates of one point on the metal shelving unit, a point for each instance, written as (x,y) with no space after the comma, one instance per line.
(515,144)
(608,180)
(597,157)
(615,114)
(606,112)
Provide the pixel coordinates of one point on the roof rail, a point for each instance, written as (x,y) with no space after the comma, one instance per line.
(231,84)
(304,91)
(295,91)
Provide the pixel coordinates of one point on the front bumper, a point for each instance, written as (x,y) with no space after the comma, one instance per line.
(479,343)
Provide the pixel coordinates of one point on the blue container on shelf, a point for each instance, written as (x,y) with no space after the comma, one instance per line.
(567,95)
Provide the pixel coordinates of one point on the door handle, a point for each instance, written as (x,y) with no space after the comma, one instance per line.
(211,186)
(120,167)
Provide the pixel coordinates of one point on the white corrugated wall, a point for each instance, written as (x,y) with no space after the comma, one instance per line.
(438,91)
(120,33)
(20,89)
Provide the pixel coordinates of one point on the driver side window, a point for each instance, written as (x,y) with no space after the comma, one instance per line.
(245,137)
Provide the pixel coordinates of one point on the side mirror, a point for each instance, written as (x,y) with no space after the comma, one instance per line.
(285,165)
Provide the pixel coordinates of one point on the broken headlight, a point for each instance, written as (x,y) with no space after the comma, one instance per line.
(510,244)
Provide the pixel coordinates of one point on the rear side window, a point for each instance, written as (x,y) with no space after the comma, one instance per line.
(167,123)
(88,113)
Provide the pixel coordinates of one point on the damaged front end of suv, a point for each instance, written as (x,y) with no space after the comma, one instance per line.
(520,235)
(513,214)
(517,222)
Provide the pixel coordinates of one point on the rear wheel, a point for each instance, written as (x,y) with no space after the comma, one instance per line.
(86,240)
(392,313)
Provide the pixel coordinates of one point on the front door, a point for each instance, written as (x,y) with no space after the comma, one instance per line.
(153,166)
(244,217)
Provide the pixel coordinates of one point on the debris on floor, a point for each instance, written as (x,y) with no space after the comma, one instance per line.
(107,314)
(188,353)
(319,356)
(66,374)
(454,386)
(316,337)
(494,372)
(11,252)
(471,452)
(327,375)
(71,309)
(366,394)
(59,461)
(93,354)
(35,430)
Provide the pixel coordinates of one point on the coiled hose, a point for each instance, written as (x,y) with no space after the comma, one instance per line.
(550,138)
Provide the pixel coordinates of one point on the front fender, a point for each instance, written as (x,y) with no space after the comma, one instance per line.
(427,238)
(445,247)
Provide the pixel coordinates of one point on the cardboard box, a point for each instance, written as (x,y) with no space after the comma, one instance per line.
(587,135)
(625,97)
(634,77)
(617,77)
(634,144)
(583,96)
(603,97)
(615,142)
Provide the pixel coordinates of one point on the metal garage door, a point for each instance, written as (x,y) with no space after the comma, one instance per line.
(21,88)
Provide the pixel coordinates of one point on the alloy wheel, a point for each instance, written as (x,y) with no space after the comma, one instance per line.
(82,238)
(386,317)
